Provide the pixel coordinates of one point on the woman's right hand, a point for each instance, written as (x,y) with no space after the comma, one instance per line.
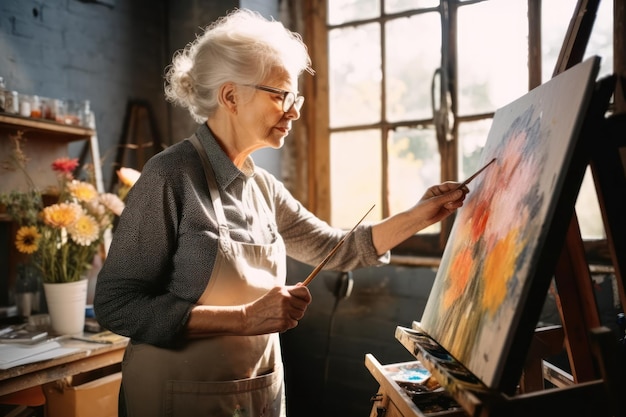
(276,311)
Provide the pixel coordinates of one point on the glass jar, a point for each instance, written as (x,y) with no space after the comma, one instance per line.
(87,117)
(11,102)
(57,110)
(3,90)
(46,108)
(24,105)
(35,107)
(27,292)
(72,113)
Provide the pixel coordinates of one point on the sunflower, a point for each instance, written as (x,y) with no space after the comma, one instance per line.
(63,237)
(27,239)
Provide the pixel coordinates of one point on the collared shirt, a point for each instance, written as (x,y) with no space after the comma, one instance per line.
(165,243)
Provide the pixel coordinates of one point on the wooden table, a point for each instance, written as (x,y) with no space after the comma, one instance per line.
(90,356)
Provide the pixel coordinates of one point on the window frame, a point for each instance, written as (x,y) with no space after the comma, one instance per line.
(313,159)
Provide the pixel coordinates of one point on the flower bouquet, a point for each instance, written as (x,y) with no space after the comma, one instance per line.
(64,236)
(59,233)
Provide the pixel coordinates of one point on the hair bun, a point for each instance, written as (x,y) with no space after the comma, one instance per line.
(186,84)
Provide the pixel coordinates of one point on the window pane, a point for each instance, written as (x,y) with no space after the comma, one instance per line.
(472,139)
(395,6)
(588,210)
(354,75)
(555,19)
(411,65)
(493,54)
(601,40)
(340,11)
(414,165)
(356,182)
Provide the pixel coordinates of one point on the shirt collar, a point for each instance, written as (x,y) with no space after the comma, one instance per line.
(225,170)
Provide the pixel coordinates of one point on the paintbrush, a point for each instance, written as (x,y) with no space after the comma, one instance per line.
(319,267)
(475,174)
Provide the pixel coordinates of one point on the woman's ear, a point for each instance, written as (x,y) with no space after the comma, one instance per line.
(227,97)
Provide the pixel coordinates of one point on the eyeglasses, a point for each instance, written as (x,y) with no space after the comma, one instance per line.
(289,98)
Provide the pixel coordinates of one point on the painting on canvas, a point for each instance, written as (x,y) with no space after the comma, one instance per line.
(497,254)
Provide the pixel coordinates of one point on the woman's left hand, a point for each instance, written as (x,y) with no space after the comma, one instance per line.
(439,201)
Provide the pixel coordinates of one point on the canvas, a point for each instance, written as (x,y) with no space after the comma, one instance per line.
(504,244)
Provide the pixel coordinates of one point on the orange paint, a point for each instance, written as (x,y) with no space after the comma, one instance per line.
(479,221)
(499,269)
(461,267)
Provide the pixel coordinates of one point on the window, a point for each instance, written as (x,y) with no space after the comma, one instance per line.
(410,91)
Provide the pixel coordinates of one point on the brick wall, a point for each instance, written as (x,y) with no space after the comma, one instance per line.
(87,51)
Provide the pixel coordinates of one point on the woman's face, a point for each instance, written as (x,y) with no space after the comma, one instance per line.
(263,117)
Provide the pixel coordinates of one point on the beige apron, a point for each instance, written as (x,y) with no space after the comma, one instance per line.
(221,376)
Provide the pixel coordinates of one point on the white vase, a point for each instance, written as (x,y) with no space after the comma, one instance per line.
(66,306)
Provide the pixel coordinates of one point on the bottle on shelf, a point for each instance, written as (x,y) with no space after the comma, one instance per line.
(35,107)
(87,117)
(25,105)
(11,102)
(3,91)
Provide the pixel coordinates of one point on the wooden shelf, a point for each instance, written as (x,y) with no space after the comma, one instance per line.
(42,142)
(68,132)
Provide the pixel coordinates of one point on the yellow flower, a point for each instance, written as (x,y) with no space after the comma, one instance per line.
(62,214)
(85,230)
(63,238)
(27,239)
(82,191)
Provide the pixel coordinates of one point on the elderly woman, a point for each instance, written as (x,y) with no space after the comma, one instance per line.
(195,275)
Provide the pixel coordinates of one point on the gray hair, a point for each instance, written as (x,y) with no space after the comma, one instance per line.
(242,47)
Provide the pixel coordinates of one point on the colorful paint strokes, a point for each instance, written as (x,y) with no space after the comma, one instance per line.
(498,250)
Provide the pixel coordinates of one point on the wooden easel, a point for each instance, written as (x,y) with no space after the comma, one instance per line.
(591,348)
(140,139)
(595,388)
(593,391)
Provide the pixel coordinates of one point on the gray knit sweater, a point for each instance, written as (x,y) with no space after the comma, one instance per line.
(165,243)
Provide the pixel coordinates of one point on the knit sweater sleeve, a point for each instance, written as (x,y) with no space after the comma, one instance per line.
(309,239)
(137,294)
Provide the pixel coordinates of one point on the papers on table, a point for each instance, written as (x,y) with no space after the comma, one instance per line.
(14,354)
(21,334)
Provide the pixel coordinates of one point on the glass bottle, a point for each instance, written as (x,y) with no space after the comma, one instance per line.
(87,117)
(35,107)
(24,101)
(3,92)
(27,290)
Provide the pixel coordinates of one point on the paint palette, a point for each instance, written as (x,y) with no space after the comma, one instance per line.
(425,391)
(459,383)
(446,369)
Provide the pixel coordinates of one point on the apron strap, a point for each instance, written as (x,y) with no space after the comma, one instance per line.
(213,188)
